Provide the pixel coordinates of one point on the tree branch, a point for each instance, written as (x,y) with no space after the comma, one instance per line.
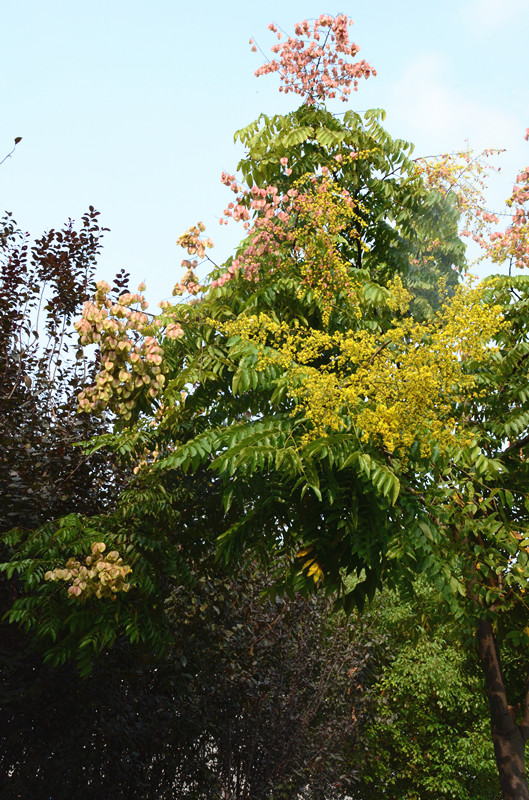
(17,140)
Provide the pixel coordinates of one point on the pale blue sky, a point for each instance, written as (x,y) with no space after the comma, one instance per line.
(131,106)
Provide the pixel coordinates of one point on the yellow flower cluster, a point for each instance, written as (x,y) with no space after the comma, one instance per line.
(396,387)
(99,576)
(324,213)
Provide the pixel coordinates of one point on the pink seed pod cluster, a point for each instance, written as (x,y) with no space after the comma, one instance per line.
(234,210)
(276,219)
(99,576)
(268,229)
(316,62)
(131,357)
(512,244)
(463,175)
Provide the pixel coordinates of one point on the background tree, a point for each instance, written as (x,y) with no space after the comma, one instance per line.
(44,285)
(43,474)
(426,731)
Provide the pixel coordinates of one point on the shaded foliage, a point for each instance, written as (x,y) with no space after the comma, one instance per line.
(254,701)
(43,286)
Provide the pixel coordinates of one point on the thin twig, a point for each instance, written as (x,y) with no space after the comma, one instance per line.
(17,140)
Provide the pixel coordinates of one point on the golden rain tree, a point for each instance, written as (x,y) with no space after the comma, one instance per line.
(362,406)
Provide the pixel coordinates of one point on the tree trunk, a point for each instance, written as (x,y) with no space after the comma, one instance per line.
(508,737)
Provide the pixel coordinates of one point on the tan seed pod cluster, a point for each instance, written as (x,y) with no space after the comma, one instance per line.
(99,575)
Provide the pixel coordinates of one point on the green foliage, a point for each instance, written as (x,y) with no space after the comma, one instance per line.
(238,419)
(401,219)
(428,733)
(157,531)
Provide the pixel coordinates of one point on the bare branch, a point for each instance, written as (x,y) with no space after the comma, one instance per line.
(17,140)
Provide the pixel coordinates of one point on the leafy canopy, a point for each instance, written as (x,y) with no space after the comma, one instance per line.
(351,399)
